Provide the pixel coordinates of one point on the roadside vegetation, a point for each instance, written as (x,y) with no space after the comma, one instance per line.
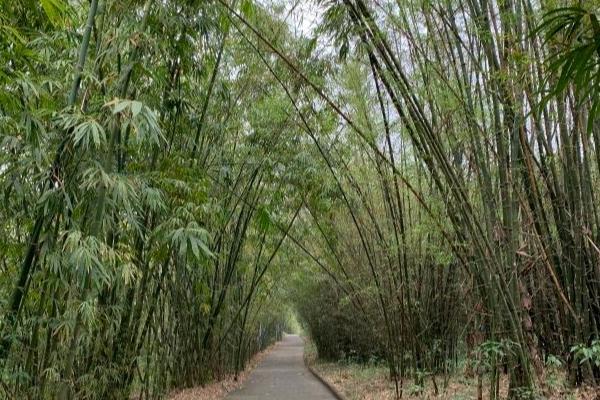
(359,380)
(417,181)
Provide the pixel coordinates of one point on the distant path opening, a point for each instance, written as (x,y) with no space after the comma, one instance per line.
(282,375)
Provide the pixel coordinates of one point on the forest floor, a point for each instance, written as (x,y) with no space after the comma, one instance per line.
(364,382)
(371,382)
(218,390)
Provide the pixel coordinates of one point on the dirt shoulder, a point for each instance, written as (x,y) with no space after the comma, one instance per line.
(371,382)
(364,382)
(218,390)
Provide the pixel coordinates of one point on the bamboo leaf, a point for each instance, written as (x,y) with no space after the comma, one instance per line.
(56,11)
(247,8)
(136,107)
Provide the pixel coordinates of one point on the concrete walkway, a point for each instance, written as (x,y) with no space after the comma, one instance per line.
(283,376)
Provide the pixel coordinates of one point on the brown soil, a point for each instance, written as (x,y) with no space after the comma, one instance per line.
(367,383)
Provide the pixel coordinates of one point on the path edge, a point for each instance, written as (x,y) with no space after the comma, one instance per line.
(255,361)
(325,383)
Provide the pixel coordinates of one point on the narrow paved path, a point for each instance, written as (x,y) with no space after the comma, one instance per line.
(283,376)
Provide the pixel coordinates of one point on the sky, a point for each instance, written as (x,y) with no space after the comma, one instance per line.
(302,16)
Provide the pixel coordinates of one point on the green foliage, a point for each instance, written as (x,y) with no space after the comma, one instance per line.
(141,119)
(576,61)
(491,348)
(326,316)
(247,8)
(192,239)
(170,205)
(587,354)
(153,216)
(57,11)
(553,361)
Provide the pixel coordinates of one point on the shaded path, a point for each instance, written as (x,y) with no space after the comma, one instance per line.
(283,376)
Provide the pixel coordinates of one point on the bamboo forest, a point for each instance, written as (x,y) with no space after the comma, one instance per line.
(400,198)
